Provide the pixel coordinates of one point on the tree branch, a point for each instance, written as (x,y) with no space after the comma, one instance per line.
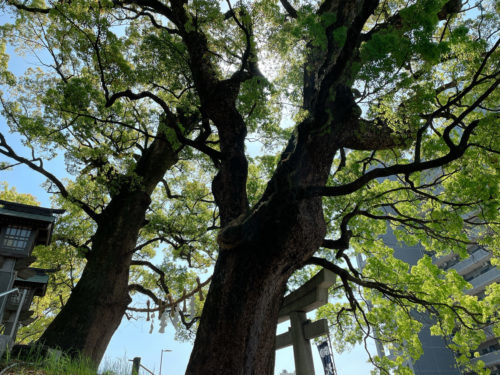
(342,243)
(154,5)
(397,22)
(154,269)
(28,8)
(396,293)
(289,8)
(6,150)
(139,288)
(171,303)
(453,154)
(172,120)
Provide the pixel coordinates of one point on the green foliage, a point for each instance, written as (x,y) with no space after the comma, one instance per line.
(414,72)
(10,194)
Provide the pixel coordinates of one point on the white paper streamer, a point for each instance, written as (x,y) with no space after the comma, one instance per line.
(192,307)
(163,322)
(175,318)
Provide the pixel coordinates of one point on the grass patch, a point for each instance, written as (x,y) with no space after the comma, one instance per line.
(37,361)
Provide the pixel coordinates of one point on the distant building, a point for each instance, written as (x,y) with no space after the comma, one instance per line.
(22,227)
(284,372)
(478,271)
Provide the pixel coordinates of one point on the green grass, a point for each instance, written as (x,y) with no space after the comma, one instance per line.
(55,363)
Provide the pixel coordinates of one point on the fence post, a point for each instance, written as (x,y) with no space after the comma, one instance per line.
(136,363)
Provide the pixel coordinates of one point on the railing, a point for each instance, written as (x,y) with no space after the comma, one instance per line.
(18,312)
(8,292)
(14,300)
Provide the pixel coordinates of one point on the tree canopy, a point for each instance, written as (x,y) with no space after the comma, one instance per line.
(255,140)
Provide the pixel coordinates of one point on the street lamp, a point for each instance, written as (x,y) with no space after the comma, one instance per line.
(161,356)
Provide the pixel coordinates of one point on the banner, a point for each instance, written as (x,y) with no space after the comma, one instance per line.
(326,358)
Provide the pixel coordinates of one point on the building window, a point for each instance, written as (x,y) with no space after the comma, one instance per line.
(16,238)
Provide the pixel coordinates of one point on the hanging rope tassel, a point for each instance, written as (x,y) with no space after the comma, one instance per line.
(200,292)
(152,324)
(172,304)
(175,318)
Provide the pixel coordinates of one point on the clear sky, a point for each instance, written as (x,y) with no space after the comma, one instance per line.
(132,339)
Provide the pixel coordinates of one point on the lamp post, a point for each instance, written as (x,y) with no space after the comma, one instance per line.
(161,357)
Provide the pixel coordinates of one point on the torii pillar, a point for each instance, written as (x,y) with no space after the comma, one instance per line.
(308,297)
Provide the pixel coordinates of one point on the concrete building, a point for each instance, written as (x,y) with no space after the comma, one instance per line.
(478,271)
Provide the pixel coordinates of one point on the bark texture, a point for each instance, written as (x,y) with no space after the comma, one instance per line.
(263,246)
(260,246)
(241,311)
(97,304)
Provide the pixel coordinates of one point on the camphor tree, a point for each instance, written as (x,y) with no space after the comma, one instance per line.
(368,114)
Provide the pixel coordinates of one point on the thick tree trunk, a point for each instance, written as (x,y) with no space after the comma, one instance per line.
(97,304)
(236,335)
(237,331)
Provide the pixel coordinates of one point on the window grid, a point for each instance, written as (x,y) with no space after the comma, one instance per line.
(16,238)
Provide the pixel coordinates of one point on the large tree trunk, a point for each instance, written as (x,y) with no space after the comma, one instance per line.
(237,331)
(236,335)
(97,304)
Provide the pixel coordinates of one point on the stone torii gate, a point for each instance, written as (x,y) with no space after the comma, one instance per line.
(308,297)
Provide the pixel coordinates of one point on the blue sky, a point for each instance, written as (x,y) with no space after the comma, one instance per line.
(132,339)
